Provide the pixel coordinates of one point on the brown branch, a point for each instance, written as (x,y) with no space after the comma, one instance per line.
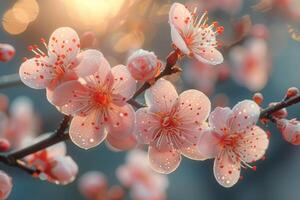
(14,158)
(267,112)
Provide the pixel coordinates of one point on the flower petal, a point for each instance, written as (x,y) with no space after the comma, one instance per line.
(122,144)
(246,114)
(219,119)
(226,170)
(208,144)
(64,44)
(89,62)
(209,55)
(193,107)
(164,162)
(253,145)
(147,123)
(86,131)
(192,152)
(36,73)
(68,95)
(179,16)
(124,84)
(121,121)
(178,41)
(161,96)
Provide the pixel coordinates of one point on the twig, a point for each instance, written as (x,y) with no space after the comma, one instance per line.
(267,112)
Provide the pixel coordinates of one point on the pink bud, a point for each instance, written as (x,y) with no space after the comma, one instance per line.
(7,52)
(4,145)
(260,31)
(144,65)
(258,98)
(292,91)
(93,185)
(290,130)
(5,185)
(282,113)
(63,169)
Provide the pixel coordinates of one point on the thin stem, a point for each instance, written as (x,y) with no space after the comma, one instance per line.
(267,112)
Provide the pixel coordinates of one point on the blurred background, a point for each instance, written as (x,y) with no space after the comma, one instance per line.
(261,48)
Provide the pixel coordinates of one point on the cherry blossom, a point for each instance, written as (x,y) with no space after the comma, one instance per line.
(21,123)
(7,52)
(233,140)
(64,61)
(99,105)
(171,124)
(53,162)
(136,174)
(193,36)
(93,185)
(5,185)
(144,65)
(290,130)
(251,64)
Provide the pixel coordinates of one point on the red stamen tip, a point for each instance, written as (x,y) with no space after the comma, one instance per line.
(254,168)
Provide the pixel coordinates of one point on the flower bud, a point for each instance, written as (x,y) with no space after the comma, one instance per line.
(7,52)
(4,145)
(292,91)
(144,65)
(258,98)
(290,130)
(93,185)
(5,185)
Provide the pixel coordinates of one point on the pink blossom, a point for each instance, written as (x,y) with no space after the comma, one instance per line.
(233,140)
(121,144)
(99,105)
(64,62)
(171,124)
(63,169)
(193,36)
(4,145)
(53,162)
(5,185)
(7,52)
(136,174)
(144,65)
(290,130)
(93,185)
(251,64)
(21,123)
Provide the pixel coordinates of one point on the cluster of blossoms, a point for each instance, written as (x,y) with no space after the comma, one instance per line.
(135,175)
(100,100)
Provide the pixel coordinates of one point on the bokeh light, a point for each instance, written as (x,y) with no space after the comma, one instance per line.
(11,24)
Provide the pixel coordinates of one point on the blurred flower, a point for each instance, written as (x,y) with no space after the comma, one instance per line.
(171,124)
(290,130)
(52,162)
(144,65)
(7,52)
(136,174)
(193,36)
(88,40)
(4,145)
(63,63)
(204,77)
(233,140)
(251,64)
(99,105)
(5,185)
(22,122)
(93,185)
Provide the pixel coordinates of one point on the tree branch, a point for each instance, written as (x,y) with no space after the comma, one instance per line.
(267,112)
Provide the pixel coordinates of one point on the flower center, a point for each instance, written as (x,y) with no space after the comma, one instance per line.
(168,122)
(101,98)
(230,141)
